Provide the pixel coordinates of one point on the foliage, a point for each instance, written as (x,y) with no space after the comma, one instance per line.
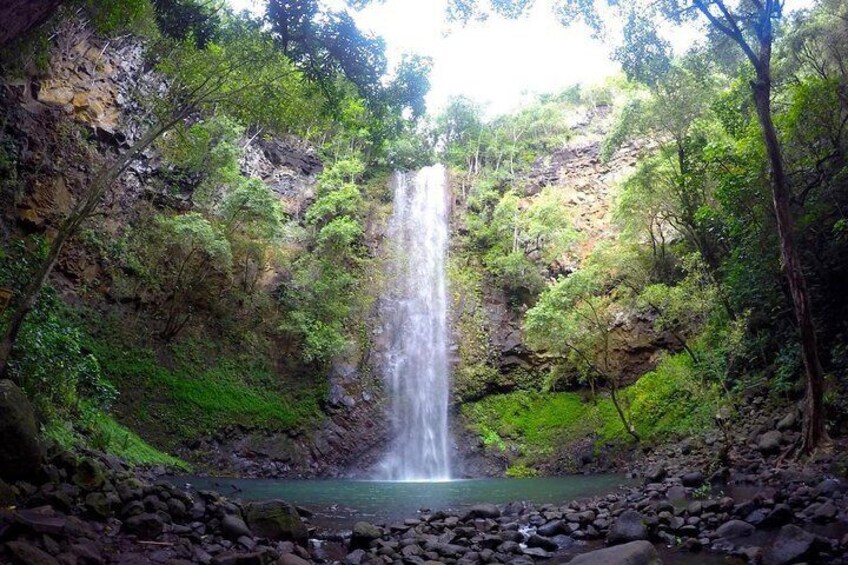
(666,403)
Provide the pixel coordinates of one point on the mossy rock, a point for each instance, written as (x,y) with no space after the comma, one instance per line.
(90,474)
(20,452)
(276,520)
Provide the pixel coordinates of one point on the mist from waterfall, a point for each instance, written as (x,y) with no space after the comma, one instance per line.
(415,321)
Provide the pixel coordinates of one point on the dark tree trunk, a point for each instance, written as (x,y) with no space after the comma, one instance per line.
(19,16)
(814,432)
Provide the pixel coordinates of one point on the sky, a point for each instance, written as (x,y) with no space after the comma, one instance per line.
(500,63)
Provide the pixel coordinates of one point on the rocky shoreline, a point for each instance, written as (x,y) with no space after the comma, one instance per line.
(764,507)
(91,508)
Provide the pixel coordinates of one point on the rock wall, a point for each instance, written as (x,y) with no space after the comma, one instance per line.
(58,128)
(19,16)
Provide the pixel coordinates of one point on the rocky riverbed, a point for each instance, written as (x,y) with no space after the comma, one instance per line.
(93,509)
(765,506)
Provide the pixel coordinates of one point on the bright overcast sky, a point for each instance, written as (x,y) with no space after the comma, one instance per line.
(497,62)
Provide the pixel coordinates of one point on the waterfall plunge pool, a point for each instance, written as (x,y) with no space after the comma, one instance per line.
(337,504)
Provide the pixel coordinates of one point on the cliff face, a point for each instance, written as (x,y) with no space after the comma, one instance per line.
(57,128)
(19,16)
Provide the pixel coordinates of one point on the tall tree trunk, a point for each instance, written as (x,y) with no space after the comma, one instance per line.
(814,432)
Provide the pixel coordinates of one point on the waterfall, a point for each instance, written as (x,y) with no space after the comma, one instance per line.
(415,321)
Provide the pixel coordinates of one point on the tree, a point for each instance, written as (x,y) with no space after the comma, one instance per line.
(244,72)
(574,320)
(751,26)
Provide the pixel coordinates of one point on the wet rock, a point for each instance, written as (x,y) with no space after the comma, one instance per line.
(89,475)
(363,534)
(276,520)
(825,512)
(482,511)
(630,526)
(769,442)
(734,529)
(539,541)
(827,488)
(28,554)
(41,520)
(146,526)
(633,553)
(86,551)
(551,529)
(788,422)
(98,504)
(656,474)
(791,546)
(234,527)
(20,452)
(692,480)
(291,559)
(780,515)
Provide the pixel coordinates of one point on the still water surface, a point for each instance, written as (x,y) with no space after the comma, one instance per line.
(339,503)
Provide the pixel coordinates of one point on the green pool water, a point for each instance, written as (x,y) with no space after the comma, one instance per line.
(339,503)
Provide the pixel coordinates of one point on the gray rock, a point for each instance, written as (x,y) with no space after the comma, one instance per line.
(355,557)
(633,553)
(826,512)
(656,474)
(630,526)
(551,529)
(769,442)
(791,546)
(780,515)
(20,452)
(788,422)
(363,534)
(291,559)
(145,526)
(482,511)
(692,480)
(735,529)
(29,554)
(234,527)
(540,541)
(827,487)
(276,520)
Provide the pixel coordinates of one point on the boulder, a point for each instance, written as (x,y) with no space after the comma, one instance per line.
(291,559)
(234,527)
(633,553)
(630,526)
(769,442)
(20,452)
(145,526)
(276,520)
(7,495)
(90,474)
(734,529)
(692,480)
(780,515)
(29,554)
(656,474)
(791,546)
(363,534)
(482,511)
(788,422)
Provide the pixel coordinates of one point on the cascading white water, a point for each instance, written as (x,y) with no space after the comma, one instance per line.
(415,320)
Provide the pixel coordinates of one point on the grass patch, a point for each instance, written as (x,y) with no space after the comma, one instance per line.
(664,403)
(202,391)
(102,432)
